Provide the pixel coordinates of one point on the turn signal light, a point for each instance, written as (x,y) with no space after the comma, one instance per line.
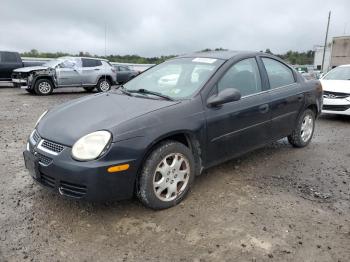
(118,168)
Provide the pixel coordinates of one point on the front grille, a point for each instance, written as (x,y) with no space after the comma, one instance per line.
(54,147)
(72,190)
(36,136)
(334,95)
(18,75)
(336,107)
(44,159)
(47,180)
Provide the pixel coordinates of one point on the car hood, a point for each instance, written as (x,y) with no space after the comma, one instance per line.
(29,69)
(66,123)
(340,86)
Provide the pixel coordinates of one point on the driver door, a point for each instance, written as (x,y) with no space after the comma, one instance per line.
(68,73)
(237,127)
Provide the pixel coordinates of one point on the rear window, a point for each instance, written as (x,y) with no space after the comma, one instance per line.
(91,62)
(9,57)
(278,73)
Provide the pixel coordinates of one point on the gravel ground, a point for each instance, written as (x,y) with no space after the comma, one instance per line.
(274,204)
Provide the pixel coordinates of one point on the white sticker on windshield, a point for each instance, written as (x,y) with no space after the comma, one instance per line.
(204,60)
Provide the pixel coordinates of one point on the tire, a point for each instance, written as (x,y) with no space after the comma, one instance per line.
(43,87)
(173,185)
(304,130)
(103,85)
(89,89)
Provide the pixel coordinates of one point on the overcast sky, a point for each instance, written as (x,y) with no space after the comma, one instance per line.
(163,27)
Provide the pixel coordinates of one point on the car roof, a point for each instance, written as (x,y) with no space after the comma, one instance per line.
(224,55)
(94,58)
(348,65)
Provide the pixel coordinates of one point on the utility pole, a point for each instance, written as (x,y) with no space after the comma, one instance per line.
(325,42)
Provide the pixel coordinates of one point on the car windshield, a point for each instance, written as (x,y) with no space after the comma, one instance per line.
(338,73)
(177,78)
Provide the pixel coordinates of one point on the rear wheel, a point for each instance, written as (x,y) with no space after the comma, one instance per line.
(43,87)
(103,85)
(303,132)
(166,176)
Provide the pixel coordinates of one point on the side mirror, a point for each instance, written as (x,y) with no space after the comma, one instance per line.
(225,96)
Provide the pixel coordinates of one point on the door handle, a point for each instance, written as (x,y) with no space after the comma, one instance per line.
(300,97)
(96,69)
(264,108)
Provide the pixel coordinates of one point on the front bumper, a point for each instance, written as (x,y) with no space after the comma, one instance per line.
(82,180)
(20,83)
(340,106)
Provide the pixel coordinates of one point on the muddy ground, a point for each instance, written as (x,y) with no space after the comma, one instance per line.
(275,204)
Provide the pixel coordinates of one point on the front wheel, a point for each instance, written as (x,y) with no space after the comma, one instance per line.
(43,87)
(303,132)
(103,85)
(166,176)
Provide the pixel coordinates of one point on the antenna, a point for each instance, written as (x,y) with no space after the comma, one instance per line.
(105,49)
(105,39)
(325,42)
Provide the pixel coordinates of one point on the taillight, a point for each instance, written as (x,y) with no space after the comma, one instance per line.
(113,70)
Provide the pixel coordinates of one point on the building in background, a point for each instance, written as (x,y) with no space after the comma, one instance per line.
(337,53)
(318,57)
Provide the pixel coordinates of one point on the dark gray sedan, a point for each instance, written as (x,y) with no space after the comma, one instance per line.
(125,73)
(154,135)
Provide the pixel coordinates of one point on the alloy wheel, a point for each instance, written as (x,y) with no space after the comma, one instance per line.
(171,177)
(307,127)
(104,86)
(44,87)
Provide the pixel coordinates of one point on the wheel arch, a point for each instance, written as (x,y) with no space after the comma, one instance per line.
(39,77)
(108,77)
(184,137)
(314,108)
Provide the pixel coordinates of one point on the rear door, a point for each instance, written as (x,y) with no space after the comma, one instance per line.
(287,97)
(239,126)
(8,62)
(123,74)
(91,69)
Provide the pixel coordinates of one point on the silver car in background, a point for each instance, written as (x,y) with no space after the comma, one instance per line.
(86,72)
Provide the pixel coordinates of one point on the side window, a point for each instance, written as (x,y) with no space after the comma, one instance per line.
(278,73)
(123,68)
(244,76)
(90,62)
(9,57)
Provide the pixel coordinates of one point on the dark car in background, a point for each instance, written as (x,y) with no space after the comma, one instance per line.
(125,73)
(10,61)
(151,137)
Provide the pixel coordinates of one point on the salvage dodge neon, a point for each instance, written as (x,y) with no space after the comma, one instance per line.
(151,137)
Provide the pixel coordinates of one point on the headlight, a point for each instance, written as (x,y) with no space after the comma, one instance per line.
(40,117)
(91,146)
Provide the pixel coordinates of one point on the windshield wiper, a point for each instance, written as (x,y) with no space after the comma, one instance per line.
(124,90)
(148,92)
